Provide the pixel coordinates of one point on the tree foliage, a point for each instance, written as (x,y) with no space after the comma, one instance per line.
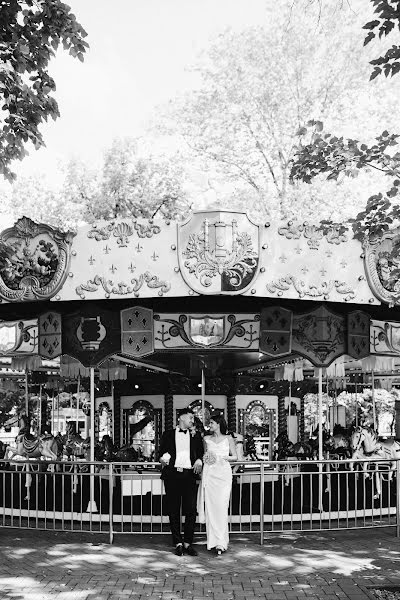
(257,87)
(30,33)
(129,184)
(387,20)
(337,157)
(9,400)
(134,185)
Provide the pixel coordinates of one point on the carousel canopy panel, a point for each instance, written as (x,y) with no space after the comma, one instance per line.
(210,253)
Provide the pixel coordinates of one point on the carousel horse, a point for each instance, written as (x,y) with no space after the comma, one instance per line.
(73,445)
(34,446)
(339,443)
(289,451)
(366,445)
(29,447)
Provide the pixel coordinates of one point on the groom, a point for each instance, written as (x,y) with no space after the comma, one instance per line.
(181,456)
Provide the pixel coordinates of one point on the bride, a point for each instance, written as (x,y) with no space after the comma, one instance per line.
(216,484)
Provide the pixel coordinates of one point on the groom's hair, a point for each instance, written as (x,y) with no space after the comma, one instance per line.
(186,411)
(220,419)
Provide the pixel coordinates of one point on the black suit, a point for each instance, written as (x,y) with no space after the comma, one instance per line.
(180,486)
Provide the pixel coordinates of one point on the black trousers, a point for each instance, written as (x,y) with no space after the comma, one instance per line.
(181,492)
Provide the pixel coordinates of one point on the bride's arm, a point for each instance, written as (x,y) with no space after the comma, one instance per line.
(232,449)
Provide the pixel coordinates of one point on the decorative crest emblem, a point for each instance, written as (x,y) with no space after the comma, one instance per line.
(207,331)
(219,252)
(50,335)
(18,337)
(137,331)
(34,261)
(91,332)
(382,265)
(385,337)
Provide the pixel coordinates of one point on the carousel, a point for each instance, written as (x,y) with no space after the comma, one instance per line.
(109,332)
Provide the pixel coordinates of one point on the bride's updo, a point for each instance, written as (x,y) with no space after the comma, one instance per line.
(218,418)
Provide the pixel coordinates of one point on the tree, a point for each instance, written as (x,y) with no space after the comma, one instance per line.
(132,184)
(30,33)
(336,157)
(257,87)
(129,184)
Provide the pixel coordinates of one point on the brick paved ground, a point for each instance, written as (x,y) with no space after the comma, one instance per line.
(41,565)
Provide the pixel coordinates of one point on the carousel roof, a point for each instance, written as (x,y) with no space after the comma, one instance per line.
(121,289)
(211,253)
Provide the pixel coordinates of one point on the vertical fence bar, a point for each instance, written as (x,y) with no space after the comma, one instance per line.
(111,501)
(397,499)
(262,504)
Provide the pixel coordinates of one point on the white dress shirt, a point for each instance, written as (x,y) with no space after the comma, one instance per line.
(182,445)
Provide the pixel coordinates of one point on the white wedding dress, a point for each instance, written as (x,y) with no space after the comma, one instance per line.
(214,493)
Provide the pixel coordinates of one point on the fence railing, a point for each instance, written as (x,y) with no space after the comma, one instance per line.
(121,498)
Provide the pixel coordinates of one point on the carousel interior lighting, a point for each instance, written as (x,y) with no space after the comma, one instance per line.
(136,386)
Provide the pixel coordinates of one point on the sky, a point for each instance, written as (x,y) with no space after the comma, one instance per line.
(139,55)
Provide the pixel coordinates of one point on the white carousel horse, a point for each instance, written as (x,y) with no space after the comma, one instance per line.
(366,445)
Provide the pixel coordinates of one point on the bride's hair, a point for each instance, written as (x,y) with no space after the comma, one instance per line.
(221,422)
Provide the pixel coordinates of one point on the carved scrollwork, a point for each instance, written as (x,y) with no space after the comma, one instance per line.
(123,231)
(314,235)
(146,231)
(101,234)
(334,235)
(180,327)
(292,231)
(121,288)
(382,265)
(34,261)
(321,290)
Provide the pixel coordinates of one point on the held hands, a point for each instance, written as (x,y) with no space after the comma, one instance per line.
(197,467)
(165,458)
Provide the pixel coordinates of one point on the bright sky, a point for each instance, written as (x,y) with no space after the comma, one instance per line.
(139,51)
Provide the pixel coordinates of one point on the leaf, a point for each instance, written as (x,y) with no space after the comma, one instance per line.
(377,71)
(371,25)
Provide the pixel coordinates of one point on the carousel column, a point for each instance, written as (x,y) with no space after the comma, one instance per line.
(282,421)
(117,414)
(397,417)
(231,406)
(92,506)
(301,420)
(168,411)
(320,440)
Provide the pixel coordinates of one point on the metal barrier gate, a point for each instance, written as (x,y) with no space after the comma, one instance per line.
(121,498)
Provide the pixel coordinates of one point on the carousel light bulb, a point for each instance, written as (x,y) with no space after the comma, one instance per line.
(136,386)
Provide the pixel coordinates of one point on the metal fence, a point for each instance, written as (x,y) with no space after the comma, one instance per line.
(121,498)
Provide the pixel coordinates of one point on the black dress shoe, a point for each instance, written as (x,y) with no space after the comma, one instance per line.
(191,551)
(179,550)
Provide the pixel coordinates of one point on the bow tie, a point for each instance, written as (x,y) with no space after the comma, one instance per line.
(183,430)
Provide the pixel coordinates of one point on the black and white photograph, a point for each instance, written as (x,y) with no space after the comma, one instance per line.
(199,299)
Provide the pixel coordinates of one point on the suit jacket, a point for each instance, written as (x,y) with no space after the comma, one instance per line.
(167,444)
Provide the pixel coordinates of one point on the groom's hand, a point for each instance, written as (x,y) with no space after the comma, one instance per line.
(197,467)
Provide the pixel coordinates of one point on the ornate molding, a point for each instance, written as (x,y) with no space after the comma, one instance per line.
(35,262)
(382,266)
(314,233)
(146,231)
(321,290)
(292,231)
(121,288)
(171,329)
(123,231)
